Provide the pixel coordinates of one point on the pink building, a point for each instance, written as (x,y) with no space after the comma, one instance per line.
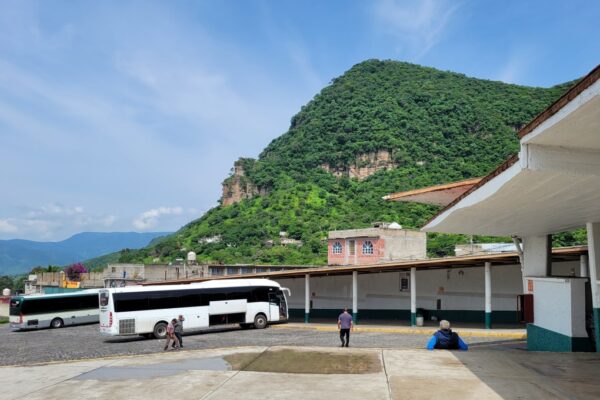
(382,243)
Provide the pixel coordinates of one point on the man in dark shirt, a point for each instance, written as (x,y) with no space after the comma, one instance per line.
(446,339)
(344,326)
(178,327)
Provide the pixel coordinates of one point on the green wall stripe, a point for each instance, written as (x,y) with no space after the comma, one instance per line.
(542,339)
(597,328)
(509,317)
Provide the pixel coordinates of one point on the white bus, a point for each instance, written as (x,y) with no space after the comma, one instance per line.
(146,310)
(53,310)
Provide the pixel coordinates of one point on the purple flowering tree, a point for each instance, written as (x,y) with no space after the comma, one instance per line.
(74,271)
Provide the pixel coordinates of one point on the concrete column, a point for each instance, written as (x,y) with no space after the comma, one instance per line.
(583,266)
(536,257)
(413,296)
(593,236)
(306,298)
(488,295)
(355,296)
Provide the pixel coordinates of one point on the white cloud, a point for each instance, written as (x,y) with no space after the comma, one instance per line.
(519,62)
(109,220)
(53,221)
(149,219)
(416,25)
(7,227)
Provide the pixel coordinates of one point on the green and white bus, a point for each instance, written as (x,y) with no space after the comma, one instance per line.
(54,310)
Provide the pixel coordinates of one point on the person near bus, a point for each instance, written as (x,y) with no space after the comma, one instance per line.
(171,335)
(344,326)
(178,330)
(444,338)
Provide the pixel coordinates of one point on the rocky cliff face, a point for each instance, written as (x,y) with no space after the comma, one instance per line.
(238,186)
(365,165)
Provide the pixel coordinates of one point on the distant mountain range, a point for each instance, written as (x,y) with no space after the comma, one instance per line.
(19,256)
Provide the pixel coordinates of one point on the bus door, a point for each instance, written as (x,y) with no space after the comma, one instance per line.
(277,306)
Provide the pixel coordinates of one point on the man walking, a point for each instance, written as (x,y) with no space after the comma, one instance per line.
(178,330)
(344,326)
(171,334)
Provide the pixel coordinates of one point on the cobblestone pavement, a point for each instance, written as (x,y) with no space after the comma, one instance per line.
(83,342)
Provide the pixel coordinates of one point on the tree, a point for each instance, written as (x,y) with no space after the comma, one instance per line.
(74,271)
(6,282)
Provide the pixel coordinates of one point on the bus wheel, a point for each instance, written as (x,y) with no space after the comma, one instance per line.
(57,323)
(160,330)
(260,321)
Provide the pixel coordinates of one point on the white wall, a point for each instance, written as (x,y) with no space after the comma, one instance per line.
(562,297)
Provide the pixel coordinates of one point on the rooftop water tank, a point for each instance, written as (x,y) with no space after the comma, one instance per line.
(191,256)
(6,292)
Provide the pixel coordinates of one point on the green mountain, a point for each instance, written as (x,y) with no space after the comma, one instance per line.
(382,127)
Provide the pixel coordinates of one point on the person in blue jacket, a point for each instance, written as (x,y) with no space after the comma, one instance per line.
(446,339)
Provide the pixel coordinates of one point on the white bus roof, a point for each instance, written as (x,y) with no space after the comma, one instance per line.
(47,296)
(219,283)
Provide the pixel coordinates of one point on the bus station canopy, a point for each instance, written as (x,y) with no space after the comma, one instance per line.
(551,185)
(440,195)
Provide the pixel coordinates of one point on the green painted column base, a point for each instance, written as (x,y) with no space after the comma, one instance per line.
(355,318)
(488,320)
(306,318)
(541,339)
(597,328)
(413,319)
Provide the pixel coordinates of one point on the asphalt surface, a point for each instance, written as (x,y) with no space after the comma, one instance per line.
(85,342)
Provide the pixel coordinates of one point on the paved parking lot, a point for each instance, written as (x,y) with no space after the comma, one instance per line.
(312,373)
(84,342)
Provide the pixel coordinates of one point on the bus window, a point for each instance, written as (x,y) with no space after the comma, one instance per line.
(103,299)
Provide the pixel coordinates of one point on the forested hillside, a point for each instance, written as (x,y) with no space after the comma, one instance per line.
(435,126)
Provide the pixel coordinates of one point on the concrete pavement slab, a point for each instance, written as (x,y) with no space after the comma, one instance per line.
(272,386)
(18,382)
(183,386)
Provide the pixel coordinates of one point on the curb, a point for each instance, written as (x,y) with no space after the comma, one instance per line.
(408,331)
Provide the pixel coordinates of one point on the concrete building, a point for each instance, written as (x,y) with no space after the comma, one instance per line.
(119,275)
(552,185)
(483,248)
(383,242)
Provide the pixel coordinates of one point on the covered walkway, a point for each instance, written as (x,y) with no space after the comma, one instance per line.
(552,185)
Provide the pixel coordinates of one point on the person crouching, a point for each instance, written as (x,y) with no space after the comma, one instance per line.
(444,338)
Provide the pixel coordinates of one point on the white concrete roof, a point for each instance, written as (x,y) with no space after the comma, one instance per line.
(553,186)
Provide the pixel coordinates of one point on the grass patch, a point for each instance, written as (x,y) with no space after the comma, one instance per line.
(3,320)
(307,362)
(239,361)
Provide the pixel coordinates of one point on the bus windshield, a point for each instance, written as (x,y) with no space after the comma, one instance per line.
(15,306)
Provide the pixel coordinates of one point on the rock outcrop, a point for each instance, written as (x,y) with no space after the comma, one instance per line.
(365,165)
(238,186)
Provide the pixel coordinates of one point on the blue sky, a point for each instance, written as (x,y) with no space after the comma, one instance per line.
(127,115)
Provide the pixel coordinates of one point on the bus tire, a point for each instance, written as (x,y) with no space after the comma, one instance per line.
(260,321)
(57,323)
(160,330)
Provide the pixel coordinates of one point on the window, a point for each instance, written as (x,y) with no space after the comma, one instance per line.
(367,247)
(352,247)
(404,281)
(337,248)
(232,271)
(103,299)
